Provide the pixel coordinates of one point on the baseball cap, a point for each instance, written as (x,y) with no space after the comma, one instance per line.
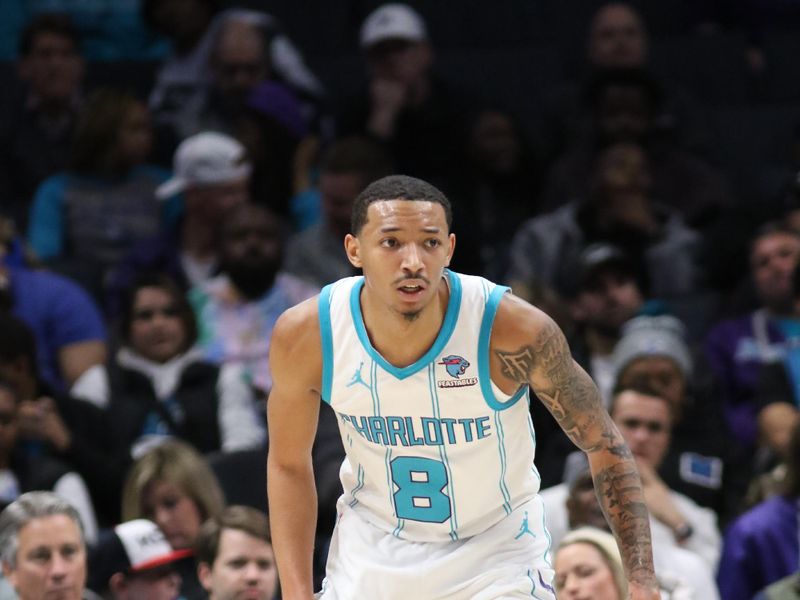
(393,21)
(203,159)
(132,547)
(590,261)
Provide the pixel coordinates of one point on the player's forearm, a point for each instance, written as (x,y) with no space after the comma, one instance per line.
(293,518)
(619,490)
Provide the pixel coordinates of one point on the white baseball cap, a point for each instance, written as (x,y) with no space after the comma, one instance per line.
(145,546)
(393,21)
(204,159)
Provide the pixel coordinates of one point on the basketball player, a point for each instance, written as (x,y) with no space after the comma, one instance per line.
(430,374)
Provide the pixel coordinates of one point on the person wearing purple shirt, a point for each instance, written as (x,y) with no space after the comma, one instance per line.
(761,546)
(737,348)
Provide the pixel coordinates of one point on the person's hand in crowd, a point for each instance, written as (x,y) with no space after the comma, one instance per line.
(658,498)
(634,211)
(39,420)
(388,98)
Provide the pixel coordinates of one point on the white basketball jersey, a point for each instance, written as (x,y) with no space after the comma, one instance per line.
(435,451)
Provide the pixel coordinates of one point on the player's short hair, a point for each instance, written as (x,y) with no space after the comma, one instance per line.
(246,519)
(52,23)
(397,187)
(26,508)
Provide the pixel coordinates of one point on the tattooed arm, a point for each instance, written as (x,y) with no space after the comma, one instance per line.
(528,348)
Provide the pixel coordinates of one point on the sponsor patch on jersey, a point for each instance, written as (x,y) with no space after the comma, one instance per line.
(456,366)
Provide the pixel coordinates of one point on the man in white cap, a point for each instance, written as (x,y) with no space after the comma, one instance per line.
(135,561)
(405,106)
(212,172)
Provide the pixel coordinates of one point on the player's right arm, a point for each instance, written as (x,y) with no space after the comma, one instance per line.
(292,413)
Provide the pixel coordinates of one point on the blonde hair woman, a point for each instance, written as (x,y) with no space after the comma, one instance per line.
(588,565)
(172,485)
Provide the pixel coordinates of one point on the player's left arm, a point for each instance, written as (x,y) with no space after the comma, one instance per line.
(528,348)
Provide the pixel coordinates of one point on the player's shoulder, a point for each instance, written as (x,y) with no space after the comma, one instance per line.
(298,324)
(517,319)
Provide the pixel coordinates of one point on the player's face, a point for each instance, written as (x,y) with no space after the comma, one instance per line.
(244,568)
(403,249)
(582,574)
(51,560)
(644,422)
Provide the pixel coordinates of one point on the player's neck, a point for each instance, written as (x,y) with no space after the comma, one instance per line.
(399,339)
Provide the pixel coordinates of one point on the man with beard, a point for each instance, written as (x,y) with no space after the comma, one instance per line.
(237,310)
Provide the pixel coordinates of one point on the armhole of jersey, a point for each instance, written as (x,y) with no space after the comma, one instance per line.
(484,339)
(326,333)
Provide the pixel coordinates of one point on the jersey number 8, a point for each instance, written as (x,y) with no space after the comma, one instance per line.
(420,483)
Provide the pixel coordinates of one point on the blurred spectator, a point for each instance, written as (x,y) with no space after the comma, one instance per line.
(134,561)
(36,126)
(739,348)
(111,30)
(237,310)
(624,106)
(69,331)
(617,39)
(234,555)
(43,548)
(587,564)
(212,173)
(193,27)
(159,385)
(173,486)
(50,430)
(702,462)
(620,210)
(406,106)
(601,293)
(644,418)
(22,472)
(761,546)
(497,191)
(677,568)
(317,253)
(83,221)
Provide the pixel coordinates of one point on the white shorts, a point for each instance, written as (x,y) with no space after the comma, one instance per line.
(509,560)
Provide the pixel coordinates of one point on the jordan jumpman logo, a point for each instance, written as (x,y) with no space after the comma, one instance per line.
(523,529)
(356,378)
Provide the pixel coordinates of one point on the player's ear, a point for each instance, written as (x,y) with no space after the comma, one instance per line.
(353,250)
(451,240)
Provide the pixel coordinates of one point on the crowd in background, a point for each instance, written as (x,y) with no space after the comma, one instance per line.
(174,174)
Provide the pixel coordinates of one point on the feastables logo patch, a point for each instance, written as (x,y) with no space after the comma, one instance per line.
(456,366)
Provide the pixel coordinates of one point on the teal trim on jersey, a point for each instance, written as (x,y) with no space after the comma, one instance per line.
(443,453)
(448,325)
(326,333)
(484,373)
(359,485)
(547,557)
(532,431)
(373,388)
(501,445)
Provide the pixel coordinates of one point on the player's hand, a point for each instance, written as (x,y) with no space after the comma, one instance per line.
(638,591)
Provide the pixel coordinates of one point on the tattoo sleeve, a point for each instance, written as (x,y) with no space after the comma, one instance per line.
(574,401)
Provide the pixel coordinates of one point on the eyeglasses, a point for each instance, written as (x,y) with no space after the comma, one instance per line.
(147,314)
(653,427)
